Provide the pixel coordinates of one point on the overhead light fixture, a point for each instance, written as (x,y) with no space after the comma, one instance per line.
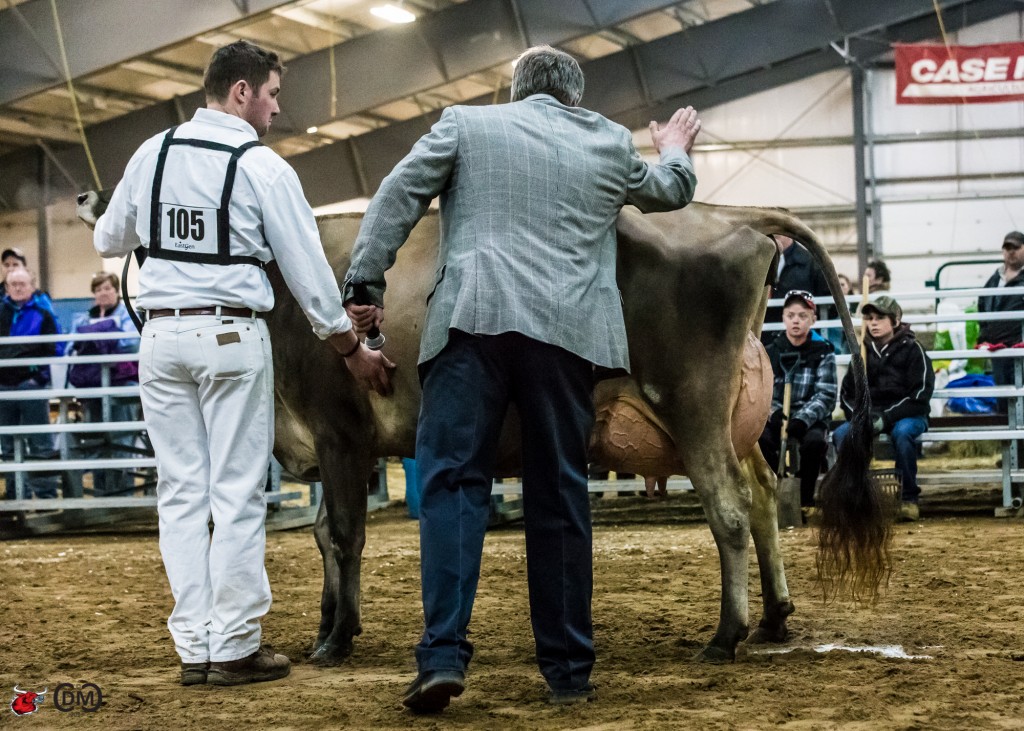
(311,130)
(393,13)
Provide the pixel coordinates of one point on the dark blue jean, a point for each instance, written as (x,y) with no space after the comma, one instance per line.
(466,392)
(34,446)
(904,434)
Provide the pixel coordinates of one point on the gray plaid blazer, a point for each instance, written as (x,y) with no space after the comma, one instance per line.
(529,196)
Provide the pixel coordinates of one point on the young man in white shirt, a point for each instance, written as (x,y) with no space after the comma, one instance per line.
(212,207)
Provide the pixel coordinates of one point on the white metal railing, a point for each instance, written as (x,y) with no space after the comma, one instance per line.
(63,395)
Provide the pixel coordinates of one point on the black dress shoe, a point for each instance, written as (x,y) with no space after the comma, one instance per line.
(568,697)
(433,690)
(194,673)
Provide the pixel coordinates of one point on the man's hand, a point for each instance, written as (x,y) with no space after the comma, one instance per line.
(371,369)
(364,316)
(797,429)
(680,131)
(88,205)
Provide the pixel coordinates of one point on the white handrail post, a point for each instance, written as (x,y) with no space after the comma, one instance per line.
(19,477)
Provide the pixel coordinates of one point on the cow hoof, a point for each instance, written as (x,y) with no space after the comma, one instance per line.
(713,654)
(772,627)
(328,655)
(768,635)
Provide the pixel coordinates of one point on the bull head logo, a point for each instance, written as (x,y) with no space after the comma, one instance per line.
(25,702)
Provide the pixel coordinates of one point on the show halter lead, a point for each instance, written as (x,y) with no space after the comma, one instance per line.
(361,296)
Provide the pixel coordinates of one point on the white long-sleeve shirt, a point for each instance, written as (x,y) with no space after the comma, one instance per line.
(269,215)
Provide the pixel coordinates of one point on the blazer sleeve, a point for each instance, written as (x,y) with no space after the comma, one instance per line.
(400,202)
(663,187)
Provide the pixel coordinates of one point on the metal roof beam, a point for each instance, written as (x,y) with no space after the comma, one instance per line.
(30,47)
(703,66)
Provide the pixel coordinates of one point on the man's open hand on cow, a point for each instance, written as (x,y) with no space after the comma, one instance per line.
(680,131)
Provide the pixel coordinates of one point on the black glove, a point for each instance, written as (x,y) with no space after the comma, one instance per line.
(797,429)
(775,420)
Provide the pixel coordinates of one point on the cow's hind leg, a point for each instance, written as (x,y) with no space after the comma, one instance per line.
(764,527)
(332,575)
(725,495)
(344,473)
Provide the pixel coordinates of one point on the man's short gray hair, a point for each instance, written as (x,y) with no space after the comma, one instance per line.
(546,70)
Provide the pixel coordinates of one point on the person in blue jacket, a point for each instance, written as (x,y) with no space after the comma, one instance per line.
(23,313)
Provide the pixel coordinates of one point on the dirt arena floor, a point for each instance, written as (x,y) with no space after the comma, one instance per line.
(91,608)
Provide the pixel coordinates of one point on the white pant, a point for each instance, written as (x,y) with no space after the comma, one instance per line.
(207,394)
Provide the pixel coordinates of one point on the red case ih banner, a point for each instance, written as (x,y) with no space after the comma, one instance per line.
(933,74)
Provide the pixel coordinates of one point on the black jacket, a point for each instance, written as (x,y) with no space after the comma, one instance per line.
(1006,332)
(800,272)
(900,379)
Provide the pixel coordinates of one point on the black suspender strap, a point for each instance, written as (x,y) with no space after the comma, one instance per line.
(154,208)
(223,255)
(223,222)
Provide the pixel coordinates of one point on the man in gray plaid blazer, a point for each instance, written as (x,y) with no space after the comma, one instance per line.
(524,305)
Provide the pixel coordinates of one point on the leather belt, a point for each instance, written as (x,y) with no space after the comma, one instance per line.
(224,312)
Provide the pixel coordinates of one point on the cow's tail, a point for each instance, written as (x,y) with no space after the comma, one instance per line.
(856,528)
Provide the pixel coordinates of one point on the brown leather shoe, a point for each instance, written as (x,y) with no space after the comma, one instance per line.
(194,673)
(260,666)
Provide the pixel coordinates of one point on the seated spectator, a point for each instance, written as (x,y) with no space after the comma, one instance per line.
(901,381)
(109,314)
(797,270)
(995,334)
(14,258)
(21,314)
(879,279)
(811,367)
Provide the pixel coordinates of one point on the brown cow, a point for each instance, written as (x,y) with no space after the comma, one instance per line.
(693,290)
(693,287)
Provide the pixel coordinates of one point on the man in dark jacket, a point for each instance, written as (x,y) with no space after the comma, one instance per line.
(21,313)
(811,365)
(1004,332)
(901,381)
(797,271)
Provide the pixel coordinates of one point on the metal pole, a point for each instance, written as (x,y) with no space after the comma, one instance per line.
(859,151)
(43,224)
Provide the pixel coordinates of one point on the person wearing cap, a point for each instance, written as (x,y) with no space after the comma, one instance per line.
(797,271)
(811,365)
(901,381)
(11,259)
(996,334)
